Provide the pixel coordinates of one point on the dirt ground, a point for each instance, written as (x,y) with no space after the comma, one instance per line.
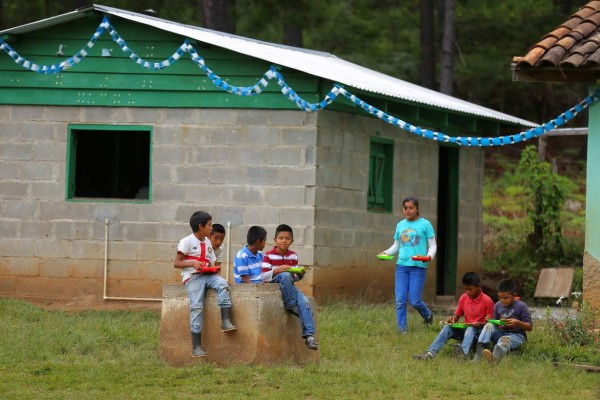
(86,303)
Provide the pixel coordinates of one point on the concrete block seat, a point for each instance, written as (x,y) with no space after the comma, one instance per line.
(266,333)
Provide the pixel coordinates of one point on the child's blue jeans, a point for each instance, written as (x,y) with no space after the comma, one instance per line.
(196,289)
(510,340)
(468,337)
(409,286)
(294,298)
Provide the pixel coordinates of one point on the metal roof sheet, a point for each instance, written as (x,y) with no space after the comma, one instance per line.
(317,63)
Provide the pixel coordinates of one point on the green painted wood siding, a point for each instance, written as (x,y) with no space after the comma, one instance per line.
(118,81)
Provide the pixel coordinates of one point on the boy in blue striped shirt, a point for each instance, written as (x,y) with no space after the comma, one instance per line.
(247,265)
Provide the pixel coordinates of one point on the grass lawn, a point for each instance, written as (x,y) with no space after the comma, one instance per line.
(114,355)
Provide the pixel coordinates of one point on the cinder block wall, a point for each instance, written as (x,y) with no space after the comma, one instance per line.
(348,236)
(245,167)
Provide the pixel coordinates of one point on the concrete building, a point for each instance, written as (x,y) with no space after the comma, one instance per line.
(102,161)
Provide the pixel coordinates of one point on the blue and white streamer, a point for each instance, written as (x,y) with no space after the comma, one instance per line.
(289,93)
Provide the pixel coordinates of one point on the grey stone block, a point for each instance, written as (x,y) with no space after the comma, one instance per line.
(12,247)
(37,170)
(263,175)
(288,118)
(5,113)
(16,151)
(51,248)
(173,232)
(250,117)
(243,195)
(192,174)
(263,135)
(227,134)
(141,232)
(170,154)
(44,190)
(86,249)
(11,131)
(211,155)
(28,113)
(157,212)
(158,252)
(249,155)
(64,114)
(49,151)
(285,197)
(9,170)
(299,136)
(9,228)
(228,175)
(262,216)
(104,115)
(285,155)
(13,189)
(71,230)
(167,192)
(163,173)
(34,230)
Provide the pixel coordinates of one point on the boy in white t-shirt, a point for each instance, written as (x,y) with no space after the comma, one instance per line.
(195,257)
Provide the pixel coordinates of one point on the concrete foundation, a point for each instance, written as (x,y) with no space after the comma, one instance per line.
(266,333)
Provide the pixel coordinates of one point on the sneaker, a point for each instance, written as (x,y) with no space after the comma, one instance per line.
(458,352)
(488,355)
(429,320)
(425,356)
(311,343)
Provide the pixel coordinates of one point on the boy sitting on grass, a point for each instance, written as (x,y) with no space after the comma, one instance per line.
(477,307)
(508,329)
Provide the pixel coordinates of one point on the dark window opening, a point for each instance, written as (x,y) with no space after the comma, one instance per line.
(113,164)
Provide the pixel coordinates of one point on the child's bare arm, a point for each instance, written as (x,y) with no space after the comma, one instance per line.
(181,262)
(515,323)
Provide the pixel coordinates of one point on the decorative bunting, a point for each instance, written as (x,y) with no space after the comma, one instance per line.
(289,93)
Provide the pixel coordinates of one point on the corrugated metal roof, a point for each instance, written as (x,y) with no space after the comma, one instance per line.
(320,64)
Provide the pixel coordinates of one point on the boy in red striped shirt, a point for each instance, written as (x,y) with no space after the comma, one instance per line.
(275,269)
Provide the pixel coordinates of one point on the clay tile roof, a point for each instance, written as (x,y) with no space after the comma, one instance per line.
(575,43)
(593,60)
(574,60)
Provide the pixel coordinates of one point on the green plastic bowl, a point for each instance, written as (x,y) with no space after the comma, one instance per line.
(385,257)
(296,270)
(496,322)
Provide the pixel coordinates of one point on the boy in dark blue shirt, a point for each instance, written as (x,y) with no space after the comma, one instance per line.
(508,329)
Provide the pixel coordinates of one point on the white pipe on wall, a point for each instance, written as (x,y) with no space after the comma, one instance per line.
(106,272)
(228,249)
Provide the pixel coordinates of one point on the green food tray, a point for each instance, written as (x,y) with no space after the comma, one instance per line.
(296,270)
(385,257)
(496,322)
(460,325)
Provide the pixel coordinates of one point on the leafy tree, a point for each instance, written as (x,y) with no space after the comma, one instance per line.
(545,200)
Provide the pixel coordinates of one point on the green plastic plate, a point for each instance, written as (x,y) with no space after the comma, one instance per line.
(496,322)
(385,257)
(460,325)
(296,270)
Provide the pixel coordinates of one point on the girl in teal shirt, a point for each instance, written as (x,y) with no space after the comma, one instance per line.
(414,237)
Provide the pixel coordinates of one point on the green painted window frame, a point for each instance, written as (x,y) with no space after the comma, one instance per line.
(73,131)
(381,175)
